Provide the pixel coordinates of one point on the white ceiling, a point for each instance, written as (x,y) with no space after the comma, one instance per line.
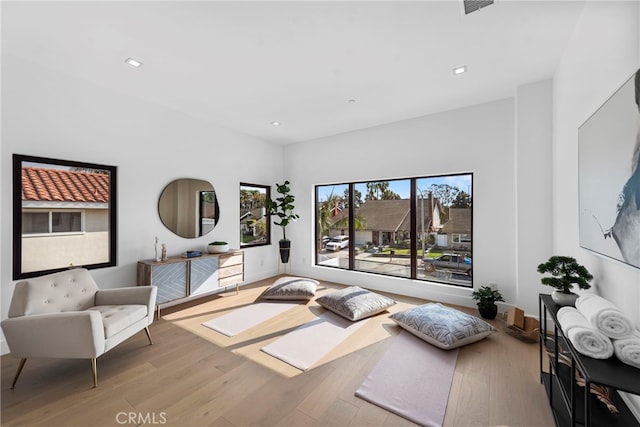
(243,65)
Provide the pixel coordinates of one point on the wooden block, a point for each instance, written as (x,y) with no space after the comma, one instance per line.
(530,324)
(515,317)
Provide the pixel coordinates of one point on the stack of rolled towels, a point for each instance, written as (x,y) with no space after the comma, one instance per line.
(598,329)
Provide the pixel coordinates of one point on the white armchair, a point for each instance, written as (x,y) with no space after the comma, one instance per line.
(65,315)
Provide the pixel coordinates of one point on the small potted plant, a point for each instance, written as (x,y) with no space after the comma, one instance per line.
(566,273)
(217,247)
(487,299)
(282,207)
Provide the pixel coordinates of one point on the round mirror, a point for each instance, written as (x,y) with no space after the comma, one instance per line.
(189,207)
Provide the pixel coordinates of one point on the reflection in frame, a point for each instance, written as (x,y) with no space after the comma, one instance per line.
(64,215)
(255,228)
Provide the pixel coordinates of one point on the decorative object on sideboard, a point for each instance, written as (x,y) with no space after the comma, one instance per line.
(487,298)
(157,249)
(566,273)
(191,254)
(283,208)
(164,252)
(217,247)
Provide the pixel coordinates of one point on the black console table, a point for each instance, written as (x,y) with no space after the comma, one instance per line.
(573,405)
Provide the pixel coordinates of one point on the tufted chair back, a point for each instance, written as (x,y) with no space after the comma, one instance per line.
(69,290)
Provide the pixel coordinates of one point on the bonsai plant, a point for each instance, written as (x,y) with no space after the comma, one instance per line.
(283,208)
(487,299)
(217,247)
(566,273)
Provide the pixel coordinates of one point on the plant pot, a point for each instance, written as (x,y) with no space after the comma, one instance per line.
(285,248)
(563,299)
(488,311)
(217,249)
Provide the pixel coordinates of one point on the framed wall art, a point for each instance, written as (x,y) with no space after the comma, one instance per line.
(609,176)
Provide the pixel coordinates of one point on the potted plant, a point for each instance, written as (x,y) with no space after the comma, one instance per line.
(487,299)
(217,247)
(566,273)
(283,208)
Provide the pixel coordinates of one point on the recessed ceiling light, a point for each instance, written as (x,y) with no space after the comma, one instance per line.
(133,62)
(351,101)
(276,123)
(460,70)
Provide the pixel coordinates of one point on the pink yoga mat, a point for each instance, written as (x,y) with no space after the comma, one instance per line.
(412,379)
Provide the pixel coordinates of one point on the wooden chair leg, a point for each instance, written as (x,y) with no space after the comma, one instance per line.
(20,366)
(94,371)
(146,329)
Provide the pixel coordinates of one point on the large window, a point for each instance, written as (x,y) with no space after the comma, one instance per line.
(64,215)
(418,228)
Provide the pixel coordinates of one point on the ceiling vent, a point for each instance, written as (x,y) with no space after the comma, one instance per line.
(473,5)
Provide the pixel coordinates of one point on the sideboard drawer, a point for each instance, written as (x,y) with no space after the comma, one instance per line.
(230,271)
(231,259)
(231,280)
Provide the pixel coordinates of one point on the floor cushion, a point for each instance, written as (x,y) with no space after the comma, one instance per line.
(291,288)
(355,303)
(442,326)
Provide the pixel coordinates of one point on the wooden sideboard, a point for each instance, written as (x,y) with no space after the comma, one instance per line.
(179,278)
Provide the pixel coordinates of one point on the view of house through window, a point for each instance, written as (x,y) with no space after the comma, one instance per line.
(419,228)
(63,215)
(254,225)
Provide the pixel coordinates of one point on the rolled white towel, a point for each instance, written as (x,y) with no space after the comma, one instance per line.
(583,336)
(628,350)
(605,316)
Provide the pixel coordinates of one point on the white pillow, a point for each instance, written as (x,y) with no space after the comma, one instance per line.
(355,303)
(291,288)
(444,327)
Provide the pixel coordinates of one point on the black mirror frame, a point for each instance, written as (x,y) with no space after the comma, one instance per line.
(18,160)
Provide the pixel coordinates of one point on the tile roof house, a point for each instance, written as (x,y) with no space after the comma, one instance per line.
(384,221)
(70,208)
(57,185)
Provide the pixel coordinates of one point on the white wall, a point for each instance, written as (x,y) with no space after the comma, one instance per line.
(48,114)
(533,190)
(603,54)
(478,139)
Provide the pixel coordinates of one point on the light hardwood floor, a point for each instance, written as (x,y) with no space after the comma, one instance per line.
(193,376)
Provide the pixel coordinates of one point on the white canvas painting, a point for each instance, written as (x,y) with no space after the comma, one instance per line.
(609,177)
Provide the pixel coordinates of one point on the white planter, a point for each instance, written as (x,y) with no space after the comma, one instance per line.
(563,299)
(217,249)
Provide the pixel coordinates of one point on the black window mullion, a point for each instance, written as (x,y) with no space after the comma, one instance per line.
(413,252)
(352,227)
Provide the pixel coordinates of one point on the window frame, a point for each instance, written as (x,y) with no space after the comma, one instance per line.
(18,161)
(267,241)
(414,231)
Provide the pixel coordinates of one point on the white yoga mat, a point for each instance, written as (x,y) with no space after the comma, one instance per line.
(247,317)
(305,345)
(412,379)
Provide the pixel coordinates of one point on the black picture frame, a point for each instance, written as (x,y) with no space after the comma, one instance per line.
(67,166)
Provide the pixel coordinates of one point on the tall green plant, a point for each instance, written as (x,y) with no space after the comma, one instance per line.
(282,207)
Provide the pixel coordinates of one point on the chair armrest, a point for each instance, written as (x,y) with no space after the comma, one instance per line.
(69,335)
(143,295)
